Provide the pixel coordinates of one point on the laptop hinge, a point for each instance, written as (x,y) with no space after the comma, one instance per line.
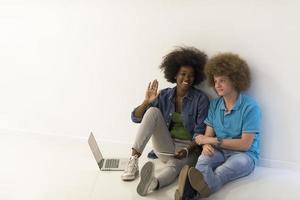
(100,164)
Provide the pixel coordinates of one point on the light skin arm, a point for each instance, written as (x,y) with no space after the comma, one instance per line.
(150,96)
(242,144)
(207,149)
(207,140)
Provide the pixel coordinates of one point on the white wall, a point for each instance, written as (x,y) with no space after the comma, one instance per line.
(68,67)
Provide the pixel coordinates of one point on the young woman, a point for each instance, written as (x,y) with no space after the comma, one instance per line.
(172,117)
(231,140)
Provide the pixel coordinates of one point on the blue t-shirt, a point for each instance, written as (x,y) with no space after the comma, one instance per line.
(244,117)
(194,109)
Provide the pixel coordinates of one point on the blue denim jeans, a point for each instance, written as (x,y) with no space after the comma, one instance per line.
(224,166)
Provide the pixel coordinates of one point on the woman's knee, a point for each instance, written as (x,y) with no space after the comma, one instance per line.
(152,111)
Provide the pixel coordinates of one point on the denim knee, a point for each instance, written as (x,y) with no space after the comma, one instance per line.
(204,160)
(236,166)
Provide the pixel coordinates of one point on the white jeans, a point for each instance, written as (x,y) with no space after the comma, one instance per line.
(153,124)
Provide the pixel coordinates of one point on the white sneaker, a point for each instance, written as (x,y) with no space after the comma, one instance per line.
(132,169)
(148,182)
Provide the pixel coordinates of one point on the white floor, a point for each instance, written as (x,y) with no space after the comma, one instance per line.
(35,167)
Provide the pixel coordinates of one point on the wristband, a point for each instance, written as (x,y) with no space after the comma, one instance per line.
(220,141)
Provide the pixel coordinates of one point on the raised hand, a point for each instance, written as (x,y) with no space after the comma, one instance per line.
(151,93)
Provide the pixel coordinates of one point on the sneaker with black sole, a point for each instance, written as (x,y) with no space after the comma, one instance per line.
(198,183)
(183,176)
(184,190)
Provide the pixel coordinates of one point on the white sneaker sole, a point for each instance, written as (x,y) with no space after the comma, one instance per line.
(147,175)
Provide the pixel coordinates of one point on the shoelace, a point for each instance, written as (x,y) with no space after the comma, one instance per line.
(131,164)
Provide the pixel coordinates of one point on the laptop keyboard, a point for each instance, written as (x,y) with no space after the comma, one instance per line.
(112,163)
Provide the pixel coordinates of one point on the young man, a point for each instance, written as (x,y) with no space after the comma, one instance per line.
(231,140)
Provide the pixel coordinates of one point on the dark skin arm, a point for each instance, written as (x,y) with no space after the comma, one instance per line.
(150,96)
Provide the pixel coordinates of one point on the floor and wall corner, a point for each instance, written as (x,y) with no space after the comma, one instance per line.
(39,166)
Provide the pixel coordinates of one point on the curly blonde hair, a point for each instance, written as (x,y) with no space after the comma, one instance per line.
(230,65)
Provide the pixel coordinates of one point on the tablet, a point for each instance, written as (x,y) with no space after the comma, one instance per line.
(166,153)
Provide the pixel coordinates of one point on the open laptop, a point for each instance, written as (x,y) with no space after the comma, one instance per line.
(110,164)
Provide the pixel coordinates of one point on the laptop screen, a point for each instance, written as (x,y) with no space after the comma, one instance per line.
(95,149)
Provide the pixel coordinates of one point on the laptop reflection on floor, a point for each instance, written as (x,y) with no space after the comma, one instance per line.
(106,164)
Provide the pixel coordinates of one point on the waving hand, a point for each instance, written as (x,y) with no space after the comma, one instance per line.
(151,93)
